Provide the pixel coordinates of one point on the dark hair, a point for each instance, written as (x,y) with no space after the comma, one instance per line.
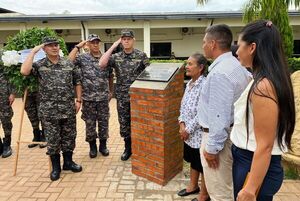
(233,49)
(222,34)
(270,62)
(201,60)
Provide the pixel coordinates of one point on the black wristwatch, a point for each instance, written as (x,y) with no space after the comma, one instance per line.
(78,48)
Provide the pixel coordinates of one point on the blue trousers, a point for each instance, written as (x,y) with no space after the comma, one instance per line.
(242,160)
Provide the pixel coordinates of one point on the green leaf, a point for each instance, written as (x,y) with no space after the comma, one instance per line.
(26,40)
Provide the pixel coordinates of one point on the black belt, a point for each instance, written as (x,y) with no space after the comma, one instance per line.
(206,130)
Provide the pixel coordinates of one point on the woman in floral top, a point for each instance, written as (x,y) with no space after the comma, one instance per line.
(190,130)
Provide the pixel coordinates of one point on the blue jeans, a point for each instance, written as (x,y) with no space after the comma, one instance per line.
(242,160)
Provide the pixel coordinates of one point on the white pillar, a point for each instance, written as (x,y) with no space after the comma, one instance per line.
(87,32)
(147,38)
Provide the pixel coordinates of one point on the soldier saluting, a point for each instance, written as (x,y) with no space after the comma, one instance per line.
(57,78)
(128,64)
(96,93)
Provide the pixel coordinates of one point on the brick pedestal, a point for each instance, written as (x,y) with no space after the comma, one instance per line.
(156,144)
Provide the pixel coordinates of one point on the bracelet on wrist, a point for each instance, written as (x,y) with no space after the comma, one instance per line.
(78,101)
(78,48)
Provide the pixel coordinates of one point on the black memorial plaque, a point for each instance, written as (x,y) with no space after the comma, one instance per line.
(158,72)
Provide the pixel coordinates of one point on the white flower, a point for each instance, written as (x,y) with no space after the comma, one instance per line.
(10,58)
(61,54)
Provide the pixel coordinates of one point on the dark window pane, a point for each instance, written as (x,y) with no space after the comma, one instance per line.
(160,50)
(70,46)
(297,47)
(108,45)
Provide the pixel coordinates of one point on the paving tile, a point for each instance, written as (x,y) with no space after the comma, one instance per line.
(102,178)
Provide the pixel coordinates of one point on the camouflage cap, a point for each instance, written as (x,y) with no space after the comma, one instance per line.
(49,40)
(127,33)
(93,37)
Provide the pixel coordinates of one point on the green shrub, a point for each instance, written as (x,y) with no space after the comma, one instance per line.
(291,173)
(294,64)
(31,38)
(27,40)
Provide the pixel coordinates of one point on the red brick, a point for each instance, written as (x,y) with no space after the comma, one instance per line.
(141,90)
(155,98)
(156,142)
(137,96)
(156,110)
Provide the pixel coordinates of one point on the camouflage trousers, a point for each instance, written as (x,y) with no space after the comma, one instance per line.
(60,135)
(123,107)
(6,114)
(95,112)
(31,108)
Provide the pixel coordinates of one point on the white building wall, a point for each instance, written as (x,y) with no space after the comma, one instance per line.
(183,44)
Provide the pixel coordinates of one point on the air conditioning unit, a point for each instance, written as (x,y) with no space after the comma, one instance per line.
(186,31)
(110,32)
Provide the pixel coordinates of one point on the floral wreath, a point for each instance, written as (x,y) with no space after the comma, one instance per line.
(12,56)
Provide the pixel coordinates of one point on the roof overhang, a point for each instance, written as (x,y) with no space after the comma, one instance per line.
(123,16)
(129,16)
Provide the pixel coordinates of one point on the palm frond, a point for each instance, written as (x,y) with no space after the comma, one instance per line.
(201,2)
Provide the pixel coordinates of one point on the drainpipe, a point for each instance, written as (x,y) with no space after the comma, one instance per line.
(83,31)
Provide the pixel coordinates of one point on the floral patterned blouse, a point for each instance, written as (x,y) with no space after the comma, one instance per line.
(188,111)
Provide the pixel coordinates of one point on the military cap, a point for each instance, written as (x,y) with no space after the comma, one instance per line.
(49,40)
(127,33)
(93,37)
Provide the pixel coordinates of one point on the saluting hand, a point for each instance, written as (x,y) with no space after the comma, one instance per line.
(81,44)
(115,45)
(37,48)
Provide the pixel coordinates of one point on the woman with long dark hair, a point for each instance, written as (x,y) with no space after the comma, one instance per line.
(264,115)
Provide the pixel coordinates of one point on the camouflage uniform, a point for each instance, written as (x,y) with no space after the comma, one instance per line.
(127,68)
(31,108)
(57,107)
(6,111)
(95,95)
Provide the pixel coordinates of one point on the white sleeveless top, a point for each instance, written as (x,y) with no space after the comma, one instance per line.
(238,134)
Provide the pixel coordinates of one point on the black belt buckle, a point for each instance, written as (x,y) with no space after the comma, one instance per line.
(206,130)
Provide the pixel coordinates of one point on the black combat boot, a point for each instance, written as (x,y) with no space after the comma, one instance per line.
(1,147)
(36,138)
(102,148)
(69,164)
(7,151)
(127,152)
(56,169)
(42,139)
(93,149)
